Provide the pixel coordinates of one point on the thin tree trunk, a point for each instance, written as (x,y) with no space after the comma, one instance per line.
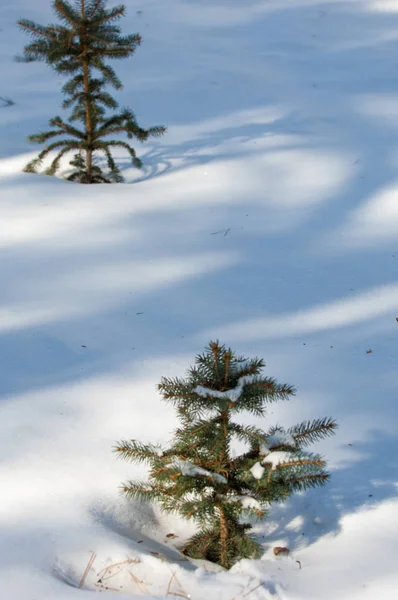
(89,123)
(223,520)
(223,540)
(224,432)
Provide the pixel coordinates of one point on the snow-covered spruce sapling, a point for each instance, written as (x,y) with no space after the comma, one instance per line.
(200,477)
(79,46)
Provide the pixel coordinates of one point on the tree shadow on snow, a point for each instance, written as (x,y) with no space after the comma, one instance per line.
(368,481)
(101,295)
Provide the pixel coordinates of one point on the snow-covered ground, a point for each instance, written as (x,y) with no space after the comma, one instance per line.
(267,217)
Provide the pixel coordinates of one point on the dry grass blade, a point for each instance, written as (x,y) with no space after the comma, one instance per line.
(159,555)
(106,573)
(139,583)
(253,589)
(106,588)
(89,565)
(170,582)
(181,593)
(245,595)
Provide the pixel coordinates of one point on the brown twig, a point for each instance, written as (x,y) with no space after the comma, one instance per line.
(106,587)
(140,584)
(253,589)
(182,593)
(88,567)
(102,573)
(227,360)
(170,582)
(249,592)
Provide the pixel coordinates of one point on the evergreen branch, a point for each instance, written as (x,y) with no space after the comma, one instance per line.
(248,433)
(124,121)
(308,432)
(136,452)
(67,14)
(68,65)
(53,168)
(107,71)
(272,390)
(66,128)
(106,99)
(60,144)
(134,159)
(307,464)
(101,40)
(35,30)
(141,492)
(113,15)
(175,389)
(81,174)
(196,428)
(79,113)
(31,166)
(40,138)
(156,131)
(239,462)
(298,463)
(118,51)
(96,5)
(115,174)
(305,482)
(68,102)
(103,132)
(73,84)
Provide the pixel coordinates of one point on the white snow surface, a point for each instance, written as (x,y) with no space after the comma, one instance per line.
(232,395)
(189,469)
(279,438)
(249,502)
(257,470)
(266,218)
(278,457)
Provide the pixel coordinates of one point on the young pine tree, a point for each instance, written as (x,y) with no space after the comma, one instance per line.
(200,477)
(79,47)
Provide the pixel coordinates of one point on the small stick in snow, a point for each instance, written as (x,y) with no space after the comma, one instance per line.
(170,582)
(106,572)
(89,565)
(182,593)
(280,550)
(140,584)
(105,587)
(224,231)
(253,589)
(159,555)
(250,591)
